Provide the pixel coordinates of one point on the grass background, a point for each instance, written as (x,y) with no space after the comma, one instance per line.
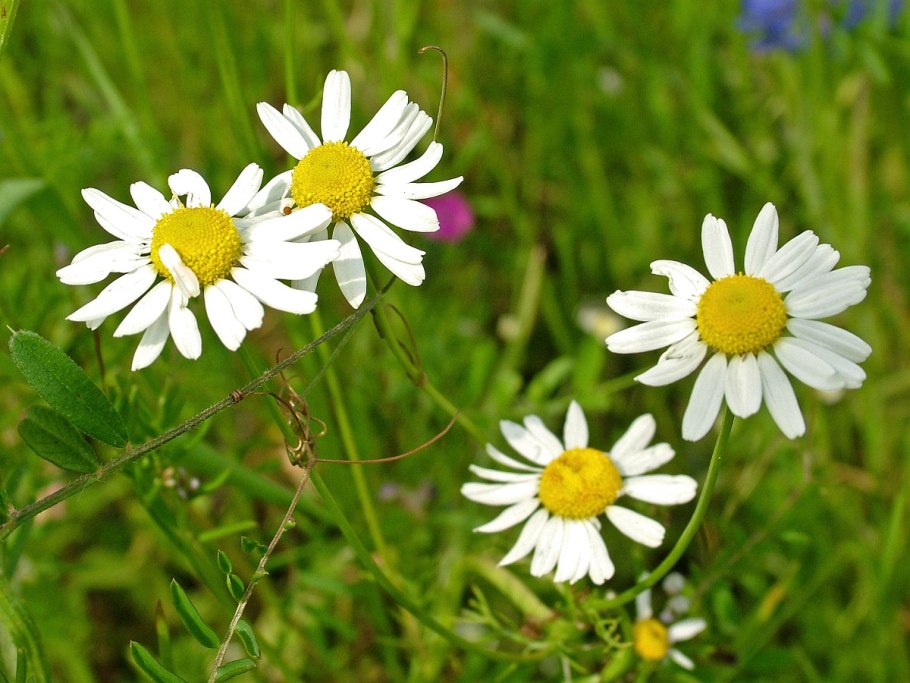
(593,138)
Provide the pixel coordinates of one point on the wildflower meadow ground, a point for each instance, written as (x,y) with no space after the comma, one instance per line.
(454,341)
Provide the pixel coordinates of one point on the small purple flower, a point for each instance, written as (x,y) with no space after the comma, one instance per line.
(456,218)
(785,24)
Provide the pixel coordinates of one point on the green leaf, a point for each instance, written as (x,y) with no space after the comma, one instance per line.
(150,666)
(235,668)
(248,638)
(7,15)
(252,547)
(191,618)
(65,386)
(49,434)
(224,562)
(235,586)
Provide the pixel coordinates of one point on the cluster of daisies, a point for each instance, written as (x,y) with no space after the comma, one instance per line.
(753,326)
(264,245)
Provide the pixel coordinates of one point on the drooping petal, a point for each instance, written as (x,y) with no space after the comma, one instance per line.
(779,397)
(527,539)
(575,432)
(381,238)
(273,293)
(242,191)
(146,311)
(336,106)
(601,568)
(246,307)
(707,394)
(636,526)
(649,336)
(117,295)
(762,240)
(512,515)
(406,213)
(742,386)
(549,547)
(188,182)
(183,326)
(717,247)
(574,547)
(221,315)
(152,343)
(349,269)
(678,361)
(833,338)
(661,489)
(410,273)
(184,278)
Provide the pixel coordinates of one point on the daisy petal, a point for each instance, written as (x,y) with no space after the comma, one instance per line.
(512,515)
(152,343)
(146,311)
(806,366)
(501,475)
(283,131)
(684,281)
(188,182)
(779,397)
(648,306)
(552,447)
(310,139)
(417,129)
(349,268)
(830,293)
(661,489)
(406,213)
(500,494)
(643,609)
(273,293)
(503,459)
(419,190)
(96,263)
(762,240)
(242,191)
(414,170)
(717,247)
(649,336)
(245,306)
(635,438)
(297,224)
(120,220)
(410,273)
(685,629)
(742,385)
(221,315)
(149,200)
(380,238)
(822,261)
(575,432)
(376,135)
(601,568)
(184,278)
(707,394)
(574,546)
(790,258)
(271,194)
(522,441)
(336,106)
(289,260)
(117,295)
(644,460)
(184,329)
(681,659)
(847,371)
(527,539)
(678,361)
(636,526)
(833,338)
(549,547)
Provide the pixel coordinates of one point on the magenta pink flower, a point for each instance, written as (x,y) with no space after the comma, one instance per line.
(456,219)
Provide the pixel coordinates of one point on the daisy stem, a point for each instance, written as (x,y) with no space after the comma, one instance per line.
(336,396)
(416,373)
(701,508)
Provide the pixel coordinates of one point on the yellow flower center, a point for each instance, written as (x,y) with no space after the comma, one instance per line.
(334,174)
(740,314)
(205,238)
(650,639)
(579,484)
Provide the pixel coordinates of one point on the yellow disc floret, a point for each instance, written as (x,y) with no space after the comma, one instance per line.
(650,639)
(579,484)
(205,238)
(740,314)
(334,174)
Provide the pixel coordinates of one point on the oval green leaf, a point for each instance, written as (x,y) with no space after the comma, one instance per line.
(66,387)
(150,666)
(191,617)
(224,562)
(53,438)
(235,586)
(239,666)
(248,638)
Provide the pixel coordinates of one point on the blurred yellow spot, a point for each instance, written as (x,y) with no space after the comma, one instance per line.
(579,484)
(650,639)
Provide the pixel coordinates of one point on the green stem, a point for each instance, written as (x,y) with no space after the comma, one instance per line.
(701,508)
(336,395)
(131,453)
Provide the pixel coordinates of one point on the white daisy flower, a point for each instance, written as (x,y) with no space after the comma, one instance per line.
(740,320)
(568,485)
(652,638)
(352,177)
(171,252)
